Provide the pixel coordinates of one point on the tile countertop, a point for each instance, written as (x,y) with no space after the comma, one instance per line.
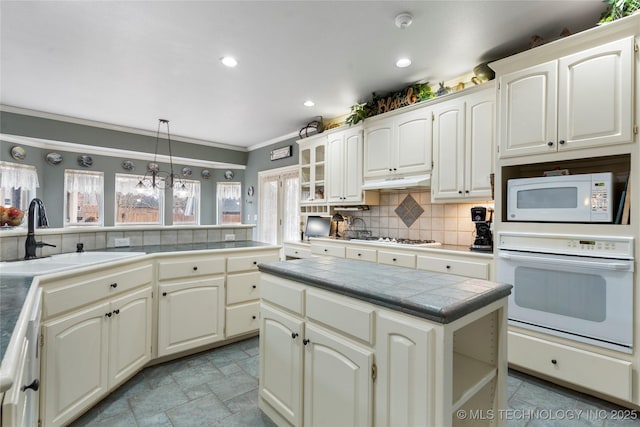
(14,289)
(441,298)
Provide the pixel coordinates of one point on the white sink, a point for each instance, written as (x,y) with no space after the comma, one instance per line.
(61,262)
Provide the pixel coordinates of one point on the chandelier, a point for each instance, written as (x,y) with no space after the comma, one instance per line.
(155,178)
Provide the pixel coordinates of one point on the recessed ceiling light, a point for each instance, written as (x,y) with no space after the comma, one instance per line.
(309,103)
(403,62)
(229,61)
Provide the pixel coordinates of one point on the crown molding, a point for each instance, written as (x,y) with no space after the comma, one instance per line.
(273,141)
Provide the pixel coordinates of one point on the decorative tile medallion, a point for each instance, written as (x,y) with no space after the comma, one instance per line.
(409,210)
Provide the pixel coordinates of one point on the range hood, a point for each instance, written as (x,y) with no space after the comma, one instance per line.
(400,183)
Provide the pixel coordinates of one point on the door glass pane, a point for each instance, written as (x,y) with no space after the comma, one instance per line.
(268,225)
(291,226)
(577,295)
(554,198)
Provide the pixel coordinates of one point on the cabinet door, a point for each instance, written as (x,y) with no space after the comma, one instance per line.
(75,365)
(404,355)
(15,407)
(448,149)
(596,96)
(130,335)
(480,145)
(337,381)
(378,142)
(413,142)
(528,100)
(352,164)
(335,167)
(281,348)
(190,314)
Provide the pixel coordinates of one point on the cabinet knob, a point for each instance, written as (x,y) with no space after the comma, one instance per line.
(326,250)
(164,294)
(305,341)
(390,170)
(195,268)
(359,254)
(116,311)
(459,191)
(253,317)
(35,385)
(466,191)
(448,267)
(294,335)
(554,361)
(254,286)
(107,314)
(394,259)
(550,143)
(114,285)
(255,262)
(561,142)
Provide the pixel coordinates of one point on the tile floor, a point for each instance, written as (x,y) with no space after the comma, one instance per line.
(220,388)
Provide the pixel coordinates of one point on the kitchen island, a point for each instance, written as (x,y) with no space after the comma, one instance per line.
(364,344)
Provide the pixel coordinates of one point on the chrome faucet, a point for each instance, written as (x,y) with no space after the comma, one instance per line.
(30,245)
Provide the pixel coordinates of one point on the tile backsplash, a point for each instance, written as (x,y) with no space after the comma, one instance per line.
(448,223)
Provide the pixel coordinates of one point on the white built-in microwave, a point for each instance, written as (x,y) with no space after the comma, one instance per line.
(563,198)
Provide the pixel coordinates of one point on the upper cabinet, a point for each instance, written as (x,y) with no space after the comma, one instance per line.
(463,147)
(577,101)
(398,145)
(312,170)
(344,178)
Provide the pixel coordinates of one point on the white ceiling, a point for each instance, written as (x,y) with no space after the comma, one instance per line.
(128,63)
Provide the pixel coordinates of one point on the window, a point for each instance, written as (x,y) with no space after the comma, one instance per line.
(83,198)
(229,207)
(186,203)
(137,207)
(18,185)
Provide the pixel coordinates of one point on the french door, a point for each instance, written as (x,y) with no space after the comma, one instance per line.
(278,212)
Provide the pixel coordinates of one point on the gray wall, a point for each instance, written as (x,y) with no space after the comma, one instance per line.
(52,177)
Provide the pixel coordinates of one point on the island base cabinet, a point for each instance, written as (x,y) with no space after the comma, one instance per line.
(404,351)
(190,314)
(281,352)
(338,383)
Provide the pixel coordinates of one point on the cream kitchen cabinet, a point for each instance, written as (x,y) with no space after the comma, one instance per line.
(88,351)
(243,292)
(309,374)
(570,103)
(365,364)
(313,170)
(463,147)
(459,265)
(191,301)
(398,145)
(344,158)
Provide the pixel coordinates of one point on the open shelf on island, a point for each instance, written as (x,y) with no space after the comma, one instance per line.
(470,376)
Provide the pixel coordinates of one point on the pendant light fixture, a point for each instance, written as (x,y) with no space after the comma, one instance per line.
(155,178)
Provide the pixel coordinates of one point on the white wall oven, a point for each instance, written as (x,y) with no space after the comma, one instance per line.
(571,286)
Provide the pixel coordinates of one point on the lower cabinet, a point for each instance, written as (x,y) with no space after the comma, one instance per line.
(89,351)
(364,365)
(190,314)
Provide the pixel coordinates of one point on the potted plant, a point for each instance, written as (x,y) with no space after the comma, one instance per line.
(617,9)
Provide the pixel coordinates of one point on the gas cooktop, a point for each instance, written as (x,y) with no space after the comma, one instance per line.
(397,241)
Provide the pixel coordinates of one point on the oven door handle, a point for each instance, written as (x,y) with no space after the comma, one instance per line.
(617,266)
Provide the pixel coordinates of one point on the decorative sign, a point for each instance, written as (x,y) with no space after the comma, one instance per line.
(281,153)
(397,100)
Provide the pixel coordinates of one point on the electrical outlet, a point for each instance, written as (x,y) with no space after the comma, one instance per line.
(229,237)
(121,242)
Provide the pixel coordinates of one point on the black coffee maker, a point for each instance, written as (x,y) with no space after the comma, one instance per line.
(484,238)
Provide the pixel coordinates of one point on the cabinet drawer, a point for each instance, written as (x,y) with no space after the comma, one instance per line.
(190,267)
(282,292)
(79,291)
(243,318)
(331,250)
(243,287)
(248,263)
(397,258)
(476,270)
(345,316)
(297,252)
(370,255)
(593,371)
